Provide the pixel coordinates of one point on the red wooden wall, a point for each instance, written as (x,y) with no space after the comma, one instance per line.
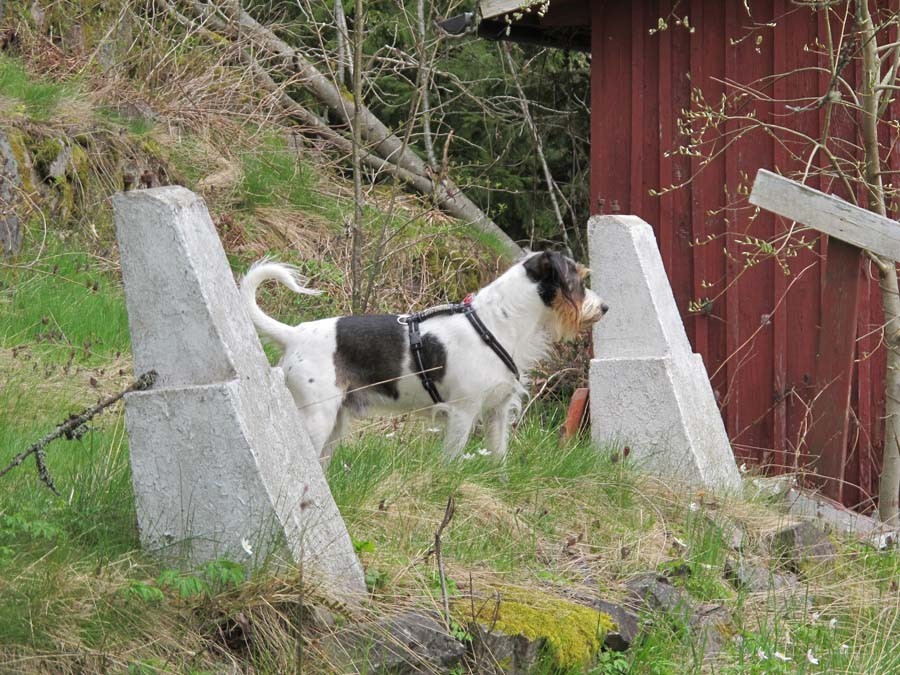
(758,336)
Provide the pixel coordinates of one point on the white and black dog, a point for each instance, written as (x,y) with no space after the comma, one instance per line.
(348,367)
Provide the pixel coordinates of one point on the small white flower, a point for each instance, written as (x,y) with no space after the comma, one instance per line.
(812,659)
(246,546)
(694,507)
(346,467)
(484,452)
(433,430)
(390,434)
(762,655)
(468,455)
(844,648)
(832,624)
(781,657)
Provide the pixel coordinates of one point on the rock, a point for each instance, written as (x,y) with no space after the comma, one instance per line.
(59,165)
(838,518)
(519,631)
(497,652)
(713,627)
(801,542)
(743,574)
(10,182)
(656,593)
(628,625)
(413,642)
(711,624)
(627,628)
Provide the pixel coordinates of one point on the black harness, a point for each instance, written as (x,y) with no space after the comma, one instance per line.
(415,339)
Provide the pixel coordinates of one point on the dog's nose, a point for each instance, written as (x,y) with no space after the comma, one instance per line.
(604,308)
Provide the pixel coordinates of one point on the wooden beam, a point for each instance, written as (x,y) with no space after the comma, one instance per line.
(826,440)
(493,8)
(827,213)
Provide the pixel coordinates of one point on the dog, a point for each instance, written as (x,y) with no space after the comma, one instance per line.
(349,367)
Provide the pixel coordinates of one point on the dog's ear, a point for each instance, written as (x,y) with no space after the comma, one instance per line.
(582,271)
(543,267)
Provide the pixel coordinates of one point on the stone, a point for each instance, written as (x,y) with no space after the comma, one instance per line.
(10,185)
(838,518)
(743,574)
(628,626)
(656,593)
(649,391)
(412,642)
(802,542)
(496,652)
(712,627)
(221,464)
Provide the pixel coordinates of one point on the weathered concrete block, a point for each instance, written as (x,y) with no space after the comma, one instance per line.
(648,389)
(221,463)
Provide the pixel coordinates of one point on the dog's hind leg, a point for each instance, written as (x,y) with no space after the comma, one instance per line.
(320,420)
(340,428)
(459,426)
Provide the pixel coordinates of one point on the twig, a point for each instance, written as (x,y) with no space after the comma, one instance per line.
(448,516)
(71,429)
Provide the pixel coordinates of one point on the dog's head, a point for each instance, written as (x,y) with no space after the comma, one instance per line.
(559,282)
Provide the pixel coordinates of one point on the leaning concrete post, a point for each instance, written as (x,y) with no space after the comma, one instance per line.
(221,464)
(649,391)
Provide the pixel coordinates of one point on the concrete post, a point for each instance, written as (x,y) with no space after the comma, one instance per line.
(222,466)
(649,391)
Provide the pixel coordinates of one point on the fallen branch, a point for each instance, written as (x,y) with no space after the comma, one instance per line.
(72,429)
(448,516)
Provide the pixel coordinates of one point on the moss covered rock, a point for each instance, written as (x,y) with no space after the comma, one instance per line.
(526,627)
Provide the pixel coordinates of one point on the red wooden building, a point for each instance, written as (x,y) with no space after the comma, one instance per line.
(757,327)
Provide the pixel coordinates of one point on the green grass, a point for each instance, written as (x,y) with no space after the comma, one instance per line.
(37,99)
(273,175)
(64,305)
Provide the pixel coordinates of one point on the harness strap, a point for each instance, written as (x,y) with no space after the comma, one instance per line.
(415,345)
(490,340)
(415,340)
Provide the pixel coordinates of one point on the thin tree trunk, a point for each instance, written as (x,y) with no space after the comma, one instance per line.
(539,148)
(425,84)
(340,21)
(356,233)
(889,487)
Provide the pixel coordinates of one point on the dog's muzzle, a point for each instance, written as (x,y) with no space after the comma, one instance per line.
(592,309)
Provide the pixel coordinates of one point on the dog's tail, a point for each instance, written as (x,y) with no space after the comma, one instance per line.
(264,270)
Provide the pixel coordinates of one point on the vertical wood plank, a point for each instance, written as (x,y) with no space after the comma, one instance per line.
(702,271)
(834,366)
(610,107)
(664,84)
(779,315)
(733,417)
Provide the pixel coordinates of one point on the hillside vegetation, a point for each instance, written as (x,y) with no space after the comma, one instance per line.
(534,548)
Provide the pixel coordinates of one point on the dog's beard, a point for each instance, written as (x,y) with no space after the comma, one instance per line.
(571,317)
(567,318)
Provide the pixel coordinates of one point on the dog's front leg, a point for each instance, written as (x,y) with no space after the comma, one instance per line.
(497,429)
(459,426)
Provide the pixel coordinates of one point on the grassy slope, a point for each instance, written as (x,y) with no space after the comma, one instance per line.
(76,593)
